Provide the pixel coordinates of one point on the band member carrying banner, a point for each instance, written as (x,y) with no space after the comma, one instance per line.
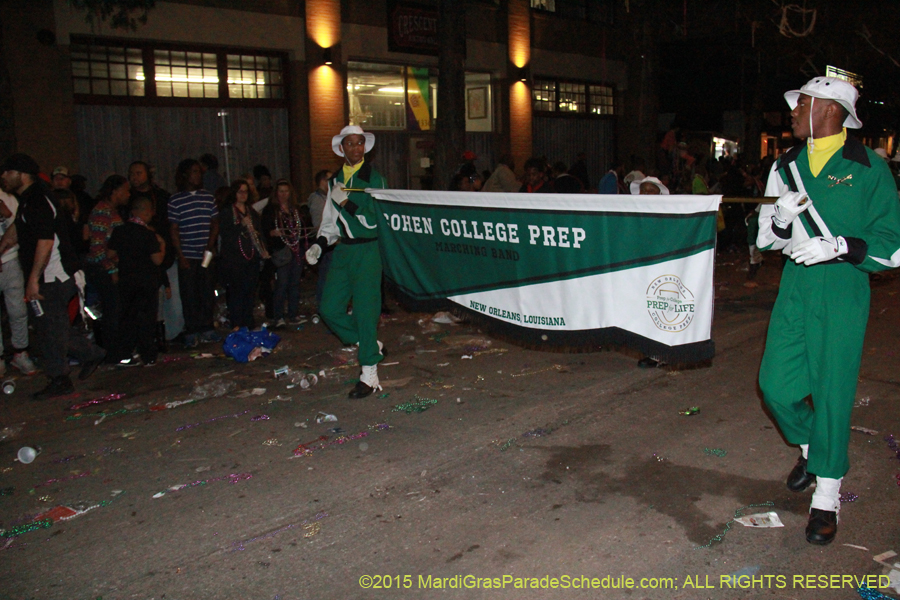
(355,274)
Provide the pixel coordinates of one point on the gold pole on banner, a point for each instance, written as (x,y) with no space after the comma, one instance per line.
(763,200)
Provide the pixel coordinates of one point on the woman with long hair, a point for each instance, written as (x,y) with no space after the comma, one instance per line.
(101,262)
(286,227)
(241,252)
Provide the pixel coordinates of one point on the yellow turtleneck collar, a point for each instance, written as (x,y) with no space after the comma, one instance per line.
(823,149)
(350,170)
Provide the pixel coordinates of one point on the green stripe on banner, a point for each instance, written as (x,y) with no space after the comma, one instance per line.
(435,252)
(511,256)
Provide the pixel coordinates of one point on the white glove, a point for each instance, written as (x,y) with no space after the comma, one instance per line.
(819,249)
(338,194)
(313,254)
(788,206)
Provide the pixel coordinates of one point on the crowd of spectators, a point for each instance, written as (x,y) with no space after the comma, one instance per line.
(146,265)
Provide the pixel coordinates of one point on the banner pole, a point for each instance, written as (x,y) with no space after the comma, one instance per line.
(762,200)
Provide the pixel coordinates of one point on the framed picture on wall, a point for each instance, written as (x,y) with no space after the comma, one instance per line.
(476,102)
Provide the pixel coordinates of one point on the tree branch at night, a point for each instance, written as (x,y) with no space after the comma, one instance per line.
(119,13)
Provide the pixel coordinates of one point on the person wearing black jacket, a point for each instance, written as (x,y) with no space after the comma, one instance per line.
(49,263)
(143,186)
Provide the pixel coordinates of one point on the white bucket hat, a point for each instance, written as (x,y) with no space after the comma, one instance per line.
(351,130)
(635,186)
(633,175)
(829,88)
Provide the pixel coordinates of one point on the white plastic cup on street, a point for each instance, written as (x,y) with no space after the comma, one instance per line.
(9,386)
(207,258)
(27,454)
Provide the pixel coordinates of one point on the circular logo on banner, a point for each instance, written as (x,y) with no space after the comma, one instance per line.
(670,304)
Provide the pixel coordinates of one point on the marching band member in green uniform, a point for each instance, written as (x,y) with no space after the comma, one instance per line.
(355,274)
(838,219)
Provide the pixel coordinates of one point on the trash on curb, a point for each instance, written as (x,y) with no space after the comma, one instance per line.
(26,527)
(445,318)
(27,454)
(172,404)
(715,452)
(103,400)
(690,411)
(864,430)
(64,513)
(417,406)
(11,431)
(248,393)
(455,341)
(768,519)
(212,389)
(323,417)
(244,345)
(304,380)
(232,478)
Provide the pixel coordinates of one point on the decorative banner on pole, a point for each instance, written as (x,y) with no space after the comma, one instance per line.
(558,269)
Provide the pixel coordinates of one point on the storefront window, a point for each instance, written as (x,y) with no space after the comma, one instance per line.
(186,74)
(254,76)
(405,98)
(377,96)
(572,97)
(544,94)
(601,99)
(113,68)
(107,70)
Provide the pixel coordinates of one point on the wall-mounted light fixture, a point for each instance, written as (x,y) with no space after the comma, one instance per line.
(326,57)
(523,74)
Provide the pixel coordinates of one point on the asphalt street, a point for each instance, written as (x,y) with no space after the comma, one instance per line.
(523,469)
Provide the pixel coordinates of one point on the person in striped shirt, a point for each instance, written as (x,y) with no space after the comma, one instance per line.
(194,221)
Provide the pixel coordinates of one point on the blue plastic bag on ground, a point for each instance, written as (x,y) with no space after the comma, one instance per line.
(239,344)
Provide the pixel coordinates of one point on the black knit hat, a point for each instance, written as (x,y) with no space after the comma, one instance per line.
(21,163)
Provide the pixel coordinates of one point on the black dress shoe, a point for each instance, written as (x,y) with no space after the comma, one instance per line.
(361,391)
(799,479)
(822,527)
(58,386)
